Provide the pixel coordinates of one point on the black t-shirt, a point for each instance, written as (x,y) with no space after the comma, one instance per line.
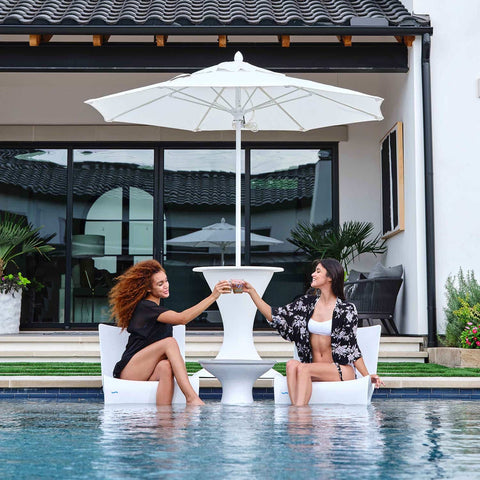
(144,329)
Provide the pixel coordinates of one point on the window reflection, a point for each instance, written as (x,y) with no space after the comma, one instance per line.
(199,192)
(33,184)
(287,187)
(112,223)
(112,220)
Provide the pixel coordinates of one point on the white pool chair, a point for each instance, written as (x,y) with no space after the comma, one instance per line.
(351,392)
(112,345)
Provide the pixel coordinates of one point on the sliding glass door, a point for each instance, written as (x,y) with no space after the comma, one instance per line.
(112,225)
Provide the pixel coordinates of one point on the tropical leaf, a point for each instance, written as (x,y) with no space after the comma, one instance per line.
(18,237)
(344,242)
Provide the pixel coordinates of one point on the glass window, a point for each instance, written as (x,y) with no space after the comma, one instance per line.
(113,221)
(33,183)
(199,192)
(112,224)
(287,187)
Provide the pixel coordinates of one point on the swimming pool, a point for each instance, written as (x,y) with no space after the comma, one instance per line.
(391,439)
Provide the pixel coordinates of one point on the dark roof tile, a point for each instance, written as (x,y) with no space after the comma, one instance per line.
(198,12)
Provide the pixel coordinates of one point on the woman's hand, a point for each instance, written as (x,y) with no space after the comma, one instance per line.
(221,287)
(247,288)
(377,382)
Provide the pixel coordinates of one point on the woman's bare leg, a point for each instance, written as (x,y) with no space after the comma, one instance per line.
(143,363)
(320,372)
(163,373)
(292,369)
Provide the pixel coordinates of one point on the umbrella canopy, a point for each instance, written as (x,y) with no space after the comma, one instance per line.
(221,235)
(244,96)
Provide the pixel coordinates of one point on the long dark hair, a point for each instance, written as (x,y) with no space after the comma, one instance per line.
(335,272)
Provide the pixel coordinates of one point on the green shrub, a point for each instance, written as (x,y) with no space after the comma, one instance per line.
(462,292)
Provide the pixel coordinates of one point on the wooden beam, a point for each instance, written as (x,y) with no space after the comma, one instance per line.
(284,40)
(345,39)
(406,40)
(37,39)
(99,40)
(222,41)
(161,40)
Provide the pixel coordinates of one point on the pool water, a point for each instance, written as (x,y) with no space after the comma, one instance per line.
(390,439)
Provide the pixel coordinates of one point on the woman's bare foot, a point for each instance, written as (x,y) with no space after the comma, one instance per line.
(195,401)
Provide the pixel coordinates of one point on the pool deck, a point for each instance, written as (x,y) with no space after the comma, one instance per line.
(19,381)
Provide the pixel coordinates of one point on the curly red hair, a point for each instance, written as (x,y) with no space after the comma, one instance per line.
(131,287)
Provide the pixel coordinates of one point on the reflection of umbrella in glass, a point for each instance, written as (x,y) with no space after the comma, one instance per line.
(221,235)
(254,98)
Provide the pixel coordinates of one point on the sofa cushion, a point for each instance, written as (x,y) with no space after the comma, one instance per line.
(380,271)
(355,276)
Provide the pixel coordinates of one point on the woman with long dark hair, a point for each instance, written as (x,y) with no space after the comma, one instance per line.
(324,327)
(151,352)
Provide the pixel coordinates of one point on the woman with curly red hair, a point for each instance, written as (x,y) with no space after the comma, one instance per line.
(151,352)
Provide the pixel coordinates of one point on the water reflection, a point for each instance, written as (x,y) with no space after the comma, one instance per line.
(390,440)
(331,438)
(406,439)
(144,438)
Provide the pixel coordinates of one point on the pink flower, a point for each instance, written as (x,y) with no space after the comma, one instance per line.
(469,323)
(467,341)
(478,344)
(474,330)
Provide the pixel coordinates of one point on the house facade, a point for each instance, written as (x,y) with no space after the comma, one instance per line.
(114,194)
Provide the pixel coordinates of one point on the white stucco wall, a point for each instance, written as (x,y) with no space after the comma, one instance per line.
(455,72)
(360,178)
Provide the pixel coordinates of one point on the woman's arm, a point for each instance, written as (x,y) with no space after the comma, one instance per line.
(361,367)
(264,308)
(352,317)
(182,318)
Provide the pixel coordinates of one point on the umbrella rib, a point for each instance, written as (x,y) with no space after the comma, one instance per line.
(279,104)
(249,99)
(275,101)
(181,96)
(339,103)
(211,105)
(199,101)
(112,119)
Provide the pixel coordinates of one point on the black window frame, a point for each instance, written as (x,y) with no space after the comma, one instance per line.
(158,149)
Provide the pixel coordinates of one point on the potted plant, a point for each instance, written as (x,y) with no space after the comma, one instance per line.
(344,243)
(461,343)
(17,238)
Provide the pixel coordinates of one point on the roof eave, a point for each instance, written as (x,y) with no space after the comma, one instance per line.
(186,30)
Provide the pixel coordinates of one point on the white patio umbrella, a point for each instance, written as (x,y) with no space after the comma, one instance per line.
(244,96)
(221,235)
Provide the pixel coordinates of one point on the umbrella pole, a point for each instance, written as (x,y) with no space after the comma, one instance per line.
(238,183)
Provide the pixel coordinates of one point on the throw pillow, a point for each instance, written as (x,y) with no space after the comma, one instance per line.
(380,271)
(355,276)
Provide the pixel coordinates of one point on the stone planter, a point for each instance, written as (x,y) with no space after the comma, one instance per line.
(455,357)
(10,308)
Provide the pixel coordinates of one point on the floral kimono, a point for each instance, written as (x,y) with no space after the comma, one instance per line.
(292,319)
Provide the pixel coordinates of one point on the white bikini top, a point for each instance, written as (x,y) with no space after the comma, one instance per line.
(320,328)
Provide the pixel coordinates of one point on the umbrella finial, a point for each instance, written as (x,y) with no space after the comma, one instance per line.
(238,57)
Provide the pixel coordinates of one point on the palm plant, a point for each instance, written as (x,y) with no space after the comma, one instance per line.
(344,242)
(18,237)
